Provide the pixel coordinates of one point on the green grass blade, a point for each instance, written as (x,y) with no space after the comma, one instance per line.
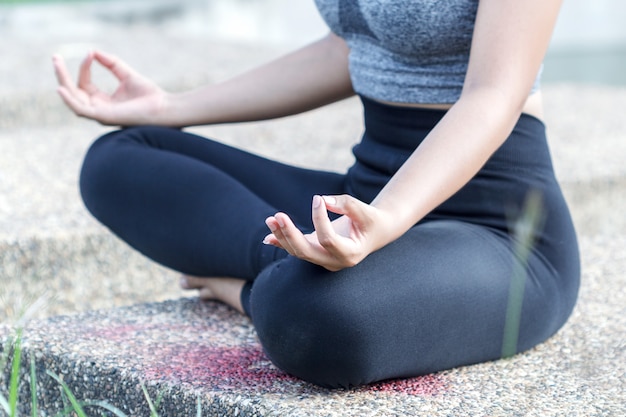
(70,410)
(15,374)
(525,230)
(78,409)
(157,403)
(33,388)
(153,411)
(102,404)
(66,403)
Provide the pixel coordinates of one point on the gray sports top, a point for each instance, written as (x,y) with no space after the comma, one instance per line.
(405,51)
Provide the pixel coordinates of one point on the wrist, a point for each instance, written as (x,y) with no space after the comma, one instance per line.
(397,218)
(169,110)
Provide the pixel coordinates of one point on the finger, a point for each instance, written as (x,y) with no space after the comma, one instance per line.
(291,238)
(326,235)
(277,236)
(113,64)
(271,240)
(62,74)
(70,99)
(84,74)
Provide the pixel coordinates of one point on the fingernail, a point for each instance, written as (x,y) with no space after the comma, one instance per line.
(270,224)
(183,282)
(281,221)
(266,240)
(317,201)
(330,200)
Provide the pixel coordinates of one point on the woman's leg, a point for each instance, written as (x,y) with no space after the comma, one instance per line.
(192,204)
(434,299)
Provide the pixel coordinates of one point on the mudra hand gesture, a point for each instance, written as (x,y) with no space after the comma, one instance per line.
(135,101)
(336,244)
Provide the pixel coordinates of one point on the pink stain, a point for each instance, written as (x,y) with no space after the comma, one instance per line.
(247,368)
(219,368)
(232,368)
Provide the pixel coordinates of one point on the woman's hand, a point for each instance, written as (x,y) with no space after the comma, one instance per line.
(136,100)
(334,245)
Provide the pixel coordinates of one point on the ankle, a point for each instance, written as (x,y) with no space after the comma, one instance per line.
(228,291)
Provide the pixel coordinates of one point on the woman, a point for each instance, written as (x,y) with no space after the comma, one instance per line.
(413,270)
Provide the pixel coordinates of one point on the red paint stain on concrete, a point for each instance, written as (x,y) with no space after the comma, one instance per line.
(228,368)
(246,368)
(222,368)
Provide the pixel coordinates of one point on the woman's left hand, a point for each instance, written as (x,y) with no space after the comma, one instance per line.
(335,245)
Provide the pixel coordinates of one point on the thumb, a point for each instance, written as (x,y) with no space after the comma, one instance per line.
(111,62)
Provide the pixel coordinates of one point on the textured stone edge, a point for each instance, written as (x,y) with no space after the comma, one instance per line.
(121,389)
(523,385)
(56,267)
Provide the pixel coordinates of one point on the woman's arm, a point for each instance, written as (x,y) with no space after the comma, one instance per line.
(305,79)
(509,43)
(308,78)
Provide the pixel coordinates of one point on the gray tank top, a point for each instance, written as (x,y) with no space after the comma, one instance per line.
(405,51)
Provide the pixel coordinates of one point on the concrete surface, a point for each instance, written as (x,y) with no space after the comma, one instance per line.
(190,350)
(49,244)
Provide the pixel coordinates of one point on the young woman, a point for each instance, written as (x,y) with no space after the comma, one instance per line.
(399,267)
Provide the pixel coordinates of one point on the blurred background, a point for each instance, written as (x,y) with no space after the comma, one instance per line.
(589,45)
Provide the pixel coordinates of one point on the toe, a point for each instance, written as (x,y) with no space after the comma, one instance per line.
(188,282)
(183,282)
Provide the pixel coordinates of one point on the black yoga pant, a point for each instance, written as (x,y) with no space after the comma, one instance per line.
(434,299)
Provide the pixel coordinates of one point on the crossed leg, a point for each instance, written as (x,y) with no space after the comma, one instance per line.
(195,205)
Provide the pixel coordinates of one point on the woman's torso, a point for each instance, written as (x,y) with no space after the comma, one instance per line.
(409,52)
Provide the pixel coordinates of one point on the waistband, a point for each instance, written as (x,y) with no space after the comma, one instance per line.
(392,133)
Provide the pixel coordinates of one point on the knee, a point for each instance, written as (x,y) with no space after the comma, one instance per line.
(309,335)
(312,347)
(98,171)
(109,163)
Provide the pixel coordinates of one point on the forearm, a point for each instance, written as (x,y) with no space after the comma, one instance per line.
(447,159)
(308,78)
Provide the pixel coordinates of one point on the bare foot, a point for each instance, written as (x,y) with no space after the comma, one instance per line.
(226,290)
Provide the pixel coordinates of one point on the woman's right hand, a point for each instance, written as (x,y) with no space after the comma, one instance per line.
(136,100)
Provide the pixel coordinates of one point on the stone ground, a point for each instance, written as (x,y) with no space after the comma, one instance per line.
(50,245)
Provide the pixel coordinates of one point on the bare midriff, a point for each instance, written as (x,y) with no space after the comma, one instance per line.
(533,105)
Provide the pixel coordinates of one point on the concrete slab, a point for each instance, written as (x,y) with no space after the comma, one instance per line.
(189,351)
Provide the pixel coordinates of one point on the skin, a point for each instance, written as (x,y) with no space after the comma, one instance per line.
(509,43)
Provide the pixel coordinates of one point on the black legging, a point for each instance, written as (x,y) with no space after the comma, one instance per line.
(435,298)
